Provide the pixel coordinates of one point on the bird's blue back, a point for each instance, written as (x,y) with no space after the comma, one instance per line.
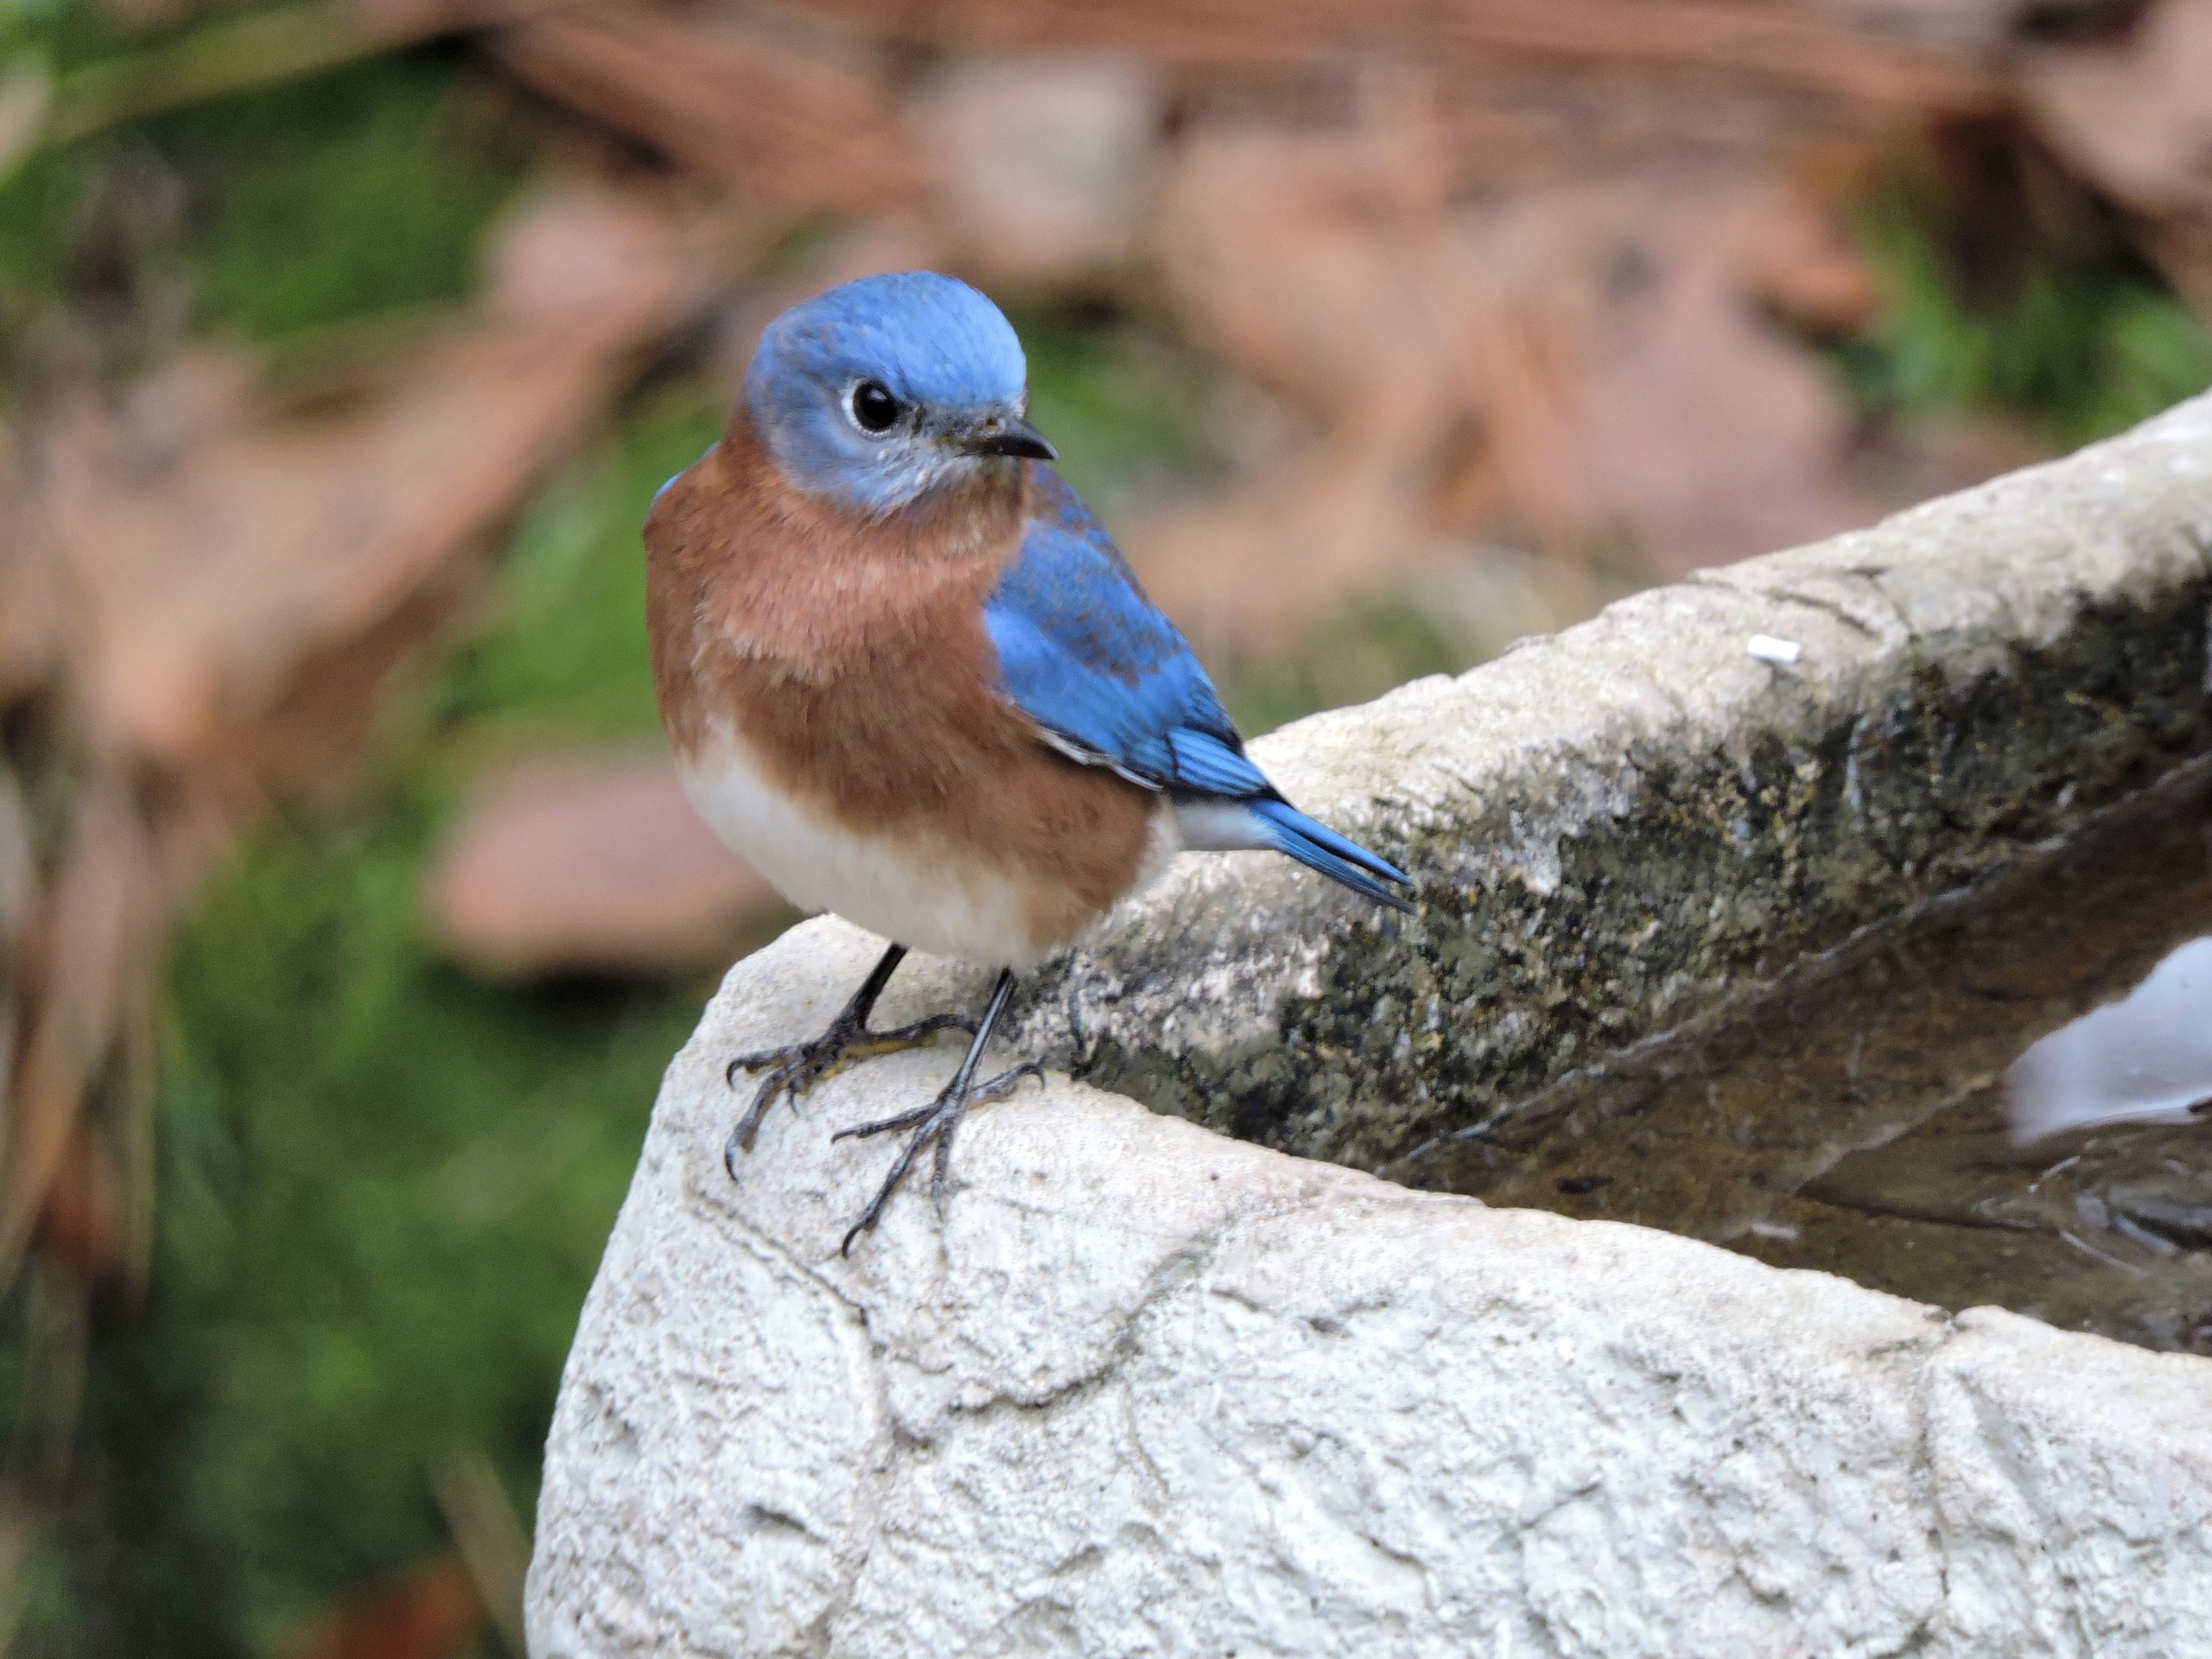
(1091,660)
(1109,678)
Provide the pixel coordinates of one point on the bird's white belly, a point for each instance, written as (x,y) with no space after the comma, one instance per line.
(929,897)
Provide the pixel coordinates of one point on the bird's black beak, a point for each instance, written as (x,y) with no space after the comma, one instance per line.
(1006,435)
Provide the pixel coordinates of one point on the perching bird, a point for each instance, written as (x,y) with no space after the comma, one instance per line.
(908,677)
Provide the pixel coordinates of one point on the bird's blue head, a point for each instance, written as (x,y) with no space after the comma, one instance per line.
(883,390)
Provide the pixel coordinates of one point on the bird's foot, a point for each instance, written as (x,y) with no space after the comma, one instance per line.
(934,1121)
(797,1067)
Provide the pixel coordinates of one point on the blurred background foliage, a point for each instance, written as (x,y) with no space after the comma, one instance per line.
(278,1374)
(2075,344)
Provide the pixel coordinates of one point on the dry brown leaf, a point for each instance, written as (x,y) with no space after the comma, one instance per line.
(2136,117)
(775,121)
(1583,365)
(593,863)
(215,549)
(430,1613)
(1248,569)
(1801,265)
(1668,415)
(80,1221)
(1319,263)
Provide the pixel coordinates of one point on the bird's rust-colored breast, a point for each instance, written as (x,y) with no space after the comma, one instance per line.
(850,657)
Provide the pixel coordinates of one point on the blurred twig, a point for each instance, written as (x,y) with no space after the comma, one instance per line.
(1794,47)
(772,123)
(209,62)
(25,96)
(236,54)
(489,1535)
(90,957)
(15,1528)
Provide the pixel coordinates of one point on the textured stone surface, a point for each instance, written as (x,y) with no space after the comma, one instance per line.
(1151,1390)
(1613,826)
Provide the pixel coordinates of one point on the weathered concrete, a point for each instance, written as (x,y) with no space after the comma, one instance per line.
(1150,1390)
(1613,826)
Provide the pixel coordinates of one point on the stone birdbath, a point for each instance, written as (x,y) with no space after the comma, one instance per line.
(1175,1376)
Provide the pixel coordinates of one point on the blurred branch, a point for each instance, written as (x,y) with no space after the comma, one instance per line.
(489,1535)
(15,1528)
(1793,47)
(236,54)
(776,123)
(25,96)
(210,62)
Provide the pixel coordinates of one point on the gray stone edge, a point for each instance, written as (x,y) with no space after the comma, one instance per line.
(2052,1471)
(1617,826)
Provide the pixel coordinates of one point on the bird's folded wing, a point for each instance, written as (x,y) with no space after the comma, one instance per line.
(1105,677)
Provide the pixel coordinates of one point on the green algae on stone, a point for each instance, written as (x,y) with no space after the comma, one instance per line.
(1709,872)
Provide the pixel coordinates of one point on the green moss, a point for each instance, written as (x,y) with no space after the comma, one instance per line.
(2080,343)
(364,190)
(383,1188)
(384,1185)
(1717,869)
(367,189)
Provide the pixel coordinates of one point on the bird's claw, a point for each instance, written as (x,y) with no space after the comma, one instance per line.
(797,1067)
(938,1121)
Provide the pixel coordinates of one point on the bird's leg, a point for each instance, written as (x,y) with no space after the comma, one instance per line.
(940,1119)
(795,1068)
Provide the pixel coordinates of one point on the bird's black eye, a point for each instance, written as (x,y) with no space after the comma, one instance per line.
(873,407)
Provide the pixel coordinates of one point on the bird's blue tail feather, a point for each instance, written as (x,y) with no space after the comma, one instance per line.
(1320,848)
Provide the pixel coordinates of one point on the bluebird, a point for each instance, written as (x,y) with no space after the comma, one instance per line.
(907,676)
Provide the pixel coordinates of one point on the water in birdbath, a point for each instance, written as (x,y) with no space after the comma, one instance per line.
(2003,1097)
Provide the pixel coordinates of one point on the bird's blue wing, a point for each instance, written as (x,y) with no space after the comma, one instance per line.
(1109,680)
(1102,673)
